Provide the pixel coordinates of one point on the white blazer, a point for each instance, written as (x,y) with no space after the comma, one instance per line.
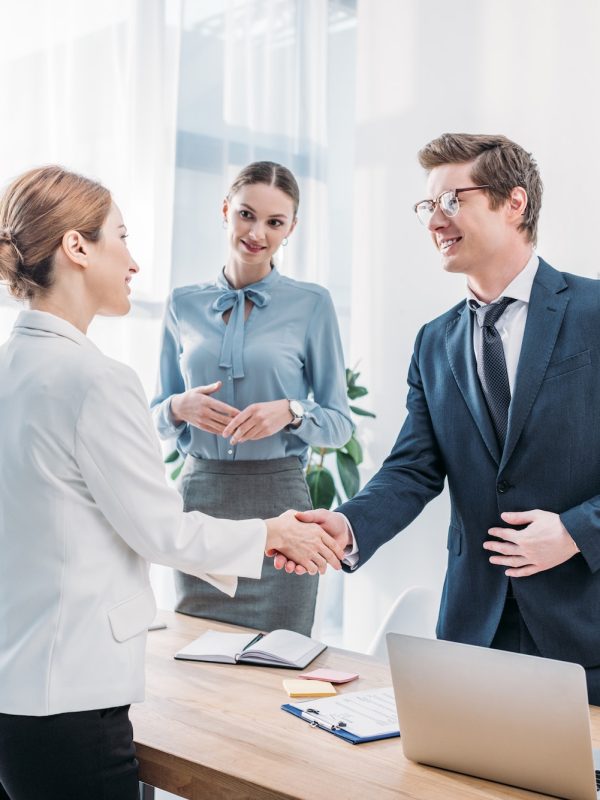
(84,508)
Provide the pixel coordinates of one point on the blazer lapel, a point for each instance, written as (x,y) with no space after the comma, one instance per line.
(547,306)
(459,347)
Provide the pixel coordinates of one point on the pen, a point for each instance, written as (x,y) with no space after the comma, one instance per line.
(254,641)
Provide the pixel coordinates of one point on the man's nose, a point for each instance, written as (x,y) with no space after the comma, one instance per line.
(437,220)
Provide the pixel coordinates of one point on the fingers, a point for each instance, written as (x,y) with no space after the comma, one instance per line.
(209,388)
(522,572)
(247,433)
(507,534)
(237,420)
(317,515)
(519,517)
(225,411)
(506,548)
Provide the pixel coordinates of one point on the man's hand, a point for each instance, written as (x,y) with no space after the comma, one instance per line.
(259,420)
(307,545)
(543,544)
(330,521)
(198,408)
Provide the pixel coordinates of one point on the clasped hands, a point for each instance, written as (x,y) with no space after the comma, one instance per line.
(198,407)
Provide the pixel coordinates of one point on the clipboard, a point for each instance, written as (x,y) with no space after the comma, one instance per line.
(324,714)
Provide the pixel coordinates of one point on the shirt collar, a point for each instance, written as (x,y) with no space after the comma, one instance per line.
(519,287)
(50,323)
(267,282)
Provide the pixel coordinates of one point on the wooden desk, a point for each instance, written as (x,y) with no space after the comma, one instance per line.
(216,732)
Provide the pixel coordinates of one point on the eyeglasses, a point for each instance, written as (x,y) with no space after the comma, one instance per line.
(447,201)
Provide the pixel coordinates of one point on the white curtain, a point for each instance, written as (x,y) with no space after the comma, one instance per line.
(525,69)
(93,86)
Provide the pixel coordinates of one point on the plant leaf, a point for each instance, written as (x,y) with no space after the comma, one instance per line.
(355,392)
(348,474)
(176,471)
(172,457)
(354,450)
(321,487)
(362,412)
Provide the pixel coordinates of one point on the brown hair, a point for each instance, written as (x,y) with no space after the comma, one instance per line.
(499,162)
(36,210)
(270,173)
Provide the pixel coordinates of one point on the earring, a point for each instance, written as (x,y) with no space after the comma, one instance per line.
(224,222)
(284,242)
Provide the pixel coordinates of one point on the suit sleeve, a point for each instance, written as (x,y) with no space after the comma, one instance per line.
(583,524)
(411,476)
(120,461)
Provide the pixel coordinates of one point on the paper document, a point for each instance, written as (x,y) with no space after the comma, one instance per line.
(368,714)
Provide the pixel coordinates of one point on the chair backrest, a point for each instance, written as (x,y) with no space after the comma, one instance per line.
(414,613)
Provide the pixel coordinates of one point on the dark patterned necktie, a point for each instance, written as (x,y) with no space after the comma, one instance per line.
(491,367)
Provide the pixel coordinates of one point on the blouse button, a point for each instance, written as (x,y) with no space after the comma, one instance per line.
(230,452)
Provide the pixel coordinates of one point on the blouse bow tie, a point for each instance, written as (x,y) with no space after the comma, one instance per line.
(232,350)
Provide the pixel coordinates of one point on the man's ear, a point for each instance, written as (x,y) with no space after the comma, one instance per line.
(76,248)
(517,202)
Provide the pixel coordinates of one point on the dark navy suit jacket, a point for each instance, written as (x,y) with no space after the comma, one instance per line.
(551,461)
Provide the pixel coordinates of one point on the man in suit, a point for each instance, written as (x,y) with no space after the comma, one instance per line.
(504,398)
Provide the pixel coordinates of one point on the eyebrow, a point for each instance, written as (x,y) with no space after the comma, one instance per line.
(283,216)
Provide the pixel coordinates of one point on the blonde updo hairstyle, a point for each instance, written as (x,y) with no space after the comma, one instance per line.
(36,211)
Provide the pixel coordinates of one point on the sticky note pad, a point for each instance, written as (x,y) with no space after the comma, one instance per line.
(297,688)
(331,675)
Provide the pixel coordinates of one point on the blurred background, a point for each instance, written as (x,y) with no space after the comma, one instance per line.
(165,100)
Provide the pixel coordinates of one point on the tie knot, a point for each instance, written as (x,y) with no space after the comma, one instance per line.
(492,313)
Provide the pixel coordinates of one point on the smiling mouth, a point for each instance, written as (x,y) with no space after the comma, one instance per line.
(447,244)
(253,248)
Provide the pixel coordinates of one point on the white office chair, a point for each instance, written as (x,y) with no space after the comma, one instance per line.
(414,613)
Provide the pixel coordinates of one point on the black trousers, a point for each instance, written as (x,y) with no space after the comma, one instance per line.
(84,755)
(513,635)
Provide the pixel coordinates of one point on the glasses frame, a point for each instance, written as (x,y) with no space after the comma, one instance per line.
(436,202)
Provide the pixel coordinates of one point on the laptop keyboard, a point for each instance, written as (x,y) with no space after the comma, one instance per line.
(598,779)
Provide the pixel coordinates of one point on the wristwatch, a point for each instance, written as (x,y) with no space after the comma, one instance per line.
(296,410)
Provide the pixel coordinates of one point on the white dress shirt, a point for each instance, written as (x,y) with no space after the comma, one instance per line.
(84,508)
(510,326)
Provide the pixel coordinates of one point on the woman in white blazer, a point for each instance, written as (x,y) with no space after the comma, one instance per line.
(84,506)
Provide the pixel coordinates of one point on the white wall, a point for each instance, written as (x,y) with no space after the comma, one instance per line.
(525,68)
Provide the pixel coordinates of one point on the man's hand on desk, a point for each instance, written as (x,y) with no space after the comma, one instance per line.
(334,524)
(304,544)
(543,544)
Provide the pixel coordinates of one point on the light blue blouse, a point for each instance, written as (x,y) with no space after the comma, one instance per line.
(289,347)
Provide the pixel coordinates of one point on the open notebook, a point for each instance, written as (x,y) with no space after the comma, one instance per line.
(279,648)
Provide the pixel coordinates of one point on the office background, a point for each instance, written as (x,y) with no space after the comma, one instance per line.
(164,101)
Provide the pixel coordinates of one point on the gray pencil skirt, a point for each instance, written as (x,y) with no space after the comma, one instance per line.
(245,490)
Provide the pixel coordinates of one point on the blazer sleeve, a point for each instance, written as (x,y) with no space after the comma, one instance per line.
(327,421)
(411,476)
(120,461)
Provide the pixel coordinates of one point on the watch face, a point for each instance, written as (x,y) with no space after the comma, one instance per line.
(297,409)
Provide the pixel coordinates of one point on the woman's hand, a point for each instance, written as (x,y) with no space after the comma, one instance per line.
(258,421)
(306,544)
(200,409)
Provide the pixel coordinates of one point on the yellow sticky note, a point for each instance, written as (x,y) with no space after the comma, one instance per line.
(300,688)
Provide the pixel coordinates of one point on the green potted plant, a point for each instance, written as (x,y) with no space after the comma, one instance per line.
(321,483)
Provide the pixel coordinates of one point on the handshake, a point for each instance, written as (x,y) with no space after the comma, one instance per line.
(307,541)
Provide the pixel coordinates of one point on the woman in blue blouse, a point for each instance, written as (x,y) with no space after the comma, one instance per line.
(251,374)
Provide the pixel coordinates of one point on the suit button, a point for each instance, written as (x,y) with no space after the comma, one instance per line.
(502,486)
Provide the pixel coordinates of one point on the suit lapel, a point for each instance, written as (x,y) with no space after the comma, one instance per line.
(547,306)
(459,347)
